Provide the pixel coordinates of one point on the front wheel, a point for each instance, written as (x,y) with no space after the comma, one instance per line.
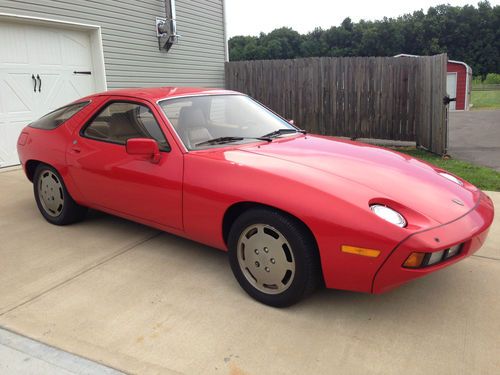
(273,257)
(53,199)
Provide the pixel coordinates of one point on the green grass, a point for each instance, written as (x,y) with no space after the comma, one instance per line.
(483,177)
(485,99)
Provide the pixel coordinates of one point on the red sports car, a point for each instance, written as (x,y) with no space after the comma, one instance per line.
(293,210)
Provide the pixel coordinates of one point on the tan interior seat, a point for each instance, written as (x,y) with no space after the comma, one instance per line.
(121,128)
(192,126)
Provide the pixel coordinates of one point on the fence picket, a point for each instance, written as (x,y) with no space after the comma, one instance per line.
(357,97)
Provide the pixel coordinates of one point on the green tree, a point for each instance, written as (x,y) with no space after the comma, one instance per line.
(468,33)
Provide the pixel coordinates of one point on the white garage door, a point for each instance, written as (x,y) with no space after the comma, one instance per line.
(53,59)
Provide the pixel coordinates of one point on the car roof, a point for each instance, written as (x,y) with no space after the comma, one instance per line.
(158,93)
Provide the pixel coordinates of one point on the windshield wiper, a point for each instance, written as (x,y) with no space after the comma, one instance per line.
(221,140)
(283,131)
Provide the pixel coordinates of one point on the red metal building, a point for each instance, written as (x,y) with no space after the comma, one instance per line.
(458,84)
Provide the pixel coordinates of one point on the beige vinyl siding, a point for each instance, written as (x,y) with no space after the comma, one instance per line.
(130,46)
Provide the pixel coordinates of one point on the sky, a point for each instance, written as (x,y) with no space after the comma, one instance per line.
(250,17)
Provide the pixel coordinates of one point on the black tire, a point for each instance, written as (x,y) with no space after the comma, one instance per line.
(68,211)
(307,270)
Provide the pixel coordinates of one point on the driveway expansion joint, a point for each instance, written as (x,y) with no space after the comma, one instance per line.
(486,257)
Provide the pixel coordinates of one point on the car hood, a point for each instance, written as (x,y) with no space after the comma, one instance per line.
(394,176)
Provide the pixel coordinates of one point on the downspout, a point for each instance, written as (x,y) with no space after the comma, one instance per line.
(170,13)
(226,46)
(224,24)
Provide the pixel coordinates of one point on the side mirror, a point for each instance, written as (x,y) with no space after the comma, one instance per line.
(144,147)
(291,122)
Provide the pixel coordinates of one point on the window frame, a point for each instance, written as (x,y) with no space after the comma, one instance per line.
(106,105)
(85,102)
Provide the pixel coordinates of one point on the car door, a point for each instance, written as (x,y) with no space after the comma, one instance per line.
(111,179)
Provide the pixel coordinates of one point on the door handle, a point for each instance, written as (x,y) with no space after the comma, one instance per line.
(34,79)
(75,148)
(447,100)
(39,83)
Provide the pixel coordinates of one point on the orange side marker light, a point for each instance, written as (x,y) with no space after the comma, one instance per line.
(371,253)
(414,260)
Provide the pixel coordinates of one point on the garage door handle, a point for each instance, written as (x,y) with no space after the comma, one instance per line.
(84,72)
(34,79)
(39,83)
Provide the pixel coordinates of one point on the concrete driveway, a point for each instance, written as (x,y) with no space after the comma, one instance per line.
(474,136)
(147,302)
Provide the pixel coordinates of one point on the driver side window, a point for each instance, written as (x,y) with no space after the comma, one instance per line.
(120,121)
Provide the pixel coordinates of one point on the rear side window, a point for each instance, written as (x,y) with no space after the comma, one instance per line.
(56,118)
(120,121)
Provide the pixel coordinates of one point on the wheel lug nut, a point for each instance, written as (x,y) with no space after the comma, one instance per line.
(256,251)
(257,264)
(266,250)
(273,261)
(267,269)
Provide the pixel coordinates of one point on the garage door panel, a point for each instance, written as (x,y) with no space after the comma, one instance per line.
(62,89)
(45,47)
(82,84)
(9,133)
(14,46)
(17,96)
(4,152)
(51,53)
(77,50)
(51,84)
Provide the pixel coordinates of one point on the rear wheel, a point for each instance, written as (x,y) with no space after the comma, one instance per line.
(273,257)
(52,198)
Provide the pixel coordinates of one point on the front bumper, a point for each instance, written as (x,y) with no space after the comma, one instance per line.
(470,229)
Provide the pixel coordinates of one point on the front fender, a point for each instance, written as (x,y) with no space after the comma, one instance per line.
(336,212)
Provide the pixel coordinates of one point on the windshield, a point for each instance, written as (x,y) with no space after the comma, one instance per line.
(198,119)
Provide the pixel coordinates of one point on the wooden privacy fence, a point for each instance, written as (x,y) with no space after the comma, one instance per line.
(358,97)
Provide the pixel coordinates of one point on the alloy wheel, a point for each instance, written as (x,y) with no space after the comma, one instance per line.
(51,193)
(266,259)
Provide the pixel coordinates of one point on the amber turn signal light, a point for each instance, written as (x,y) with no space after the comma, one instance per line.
(414,260)
(372,253)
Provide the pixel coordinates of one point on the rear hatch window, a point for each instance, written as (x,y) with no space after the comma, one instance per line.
(56,118)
